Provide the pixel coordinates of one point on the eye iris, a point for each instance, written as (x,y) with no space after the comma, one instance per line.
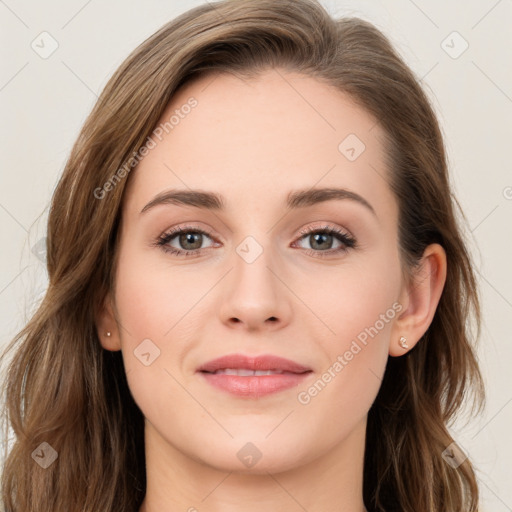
(186,237)
(320,236)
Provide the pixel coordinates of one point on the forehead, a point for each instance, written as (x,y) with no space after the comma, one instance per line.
(261,137)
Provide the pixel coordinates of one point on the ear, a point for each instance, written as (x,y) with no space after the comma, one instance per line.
(419,299)
(106,323)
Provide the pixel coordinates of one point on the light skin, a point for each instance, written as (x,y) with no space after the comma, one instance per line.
(254,142)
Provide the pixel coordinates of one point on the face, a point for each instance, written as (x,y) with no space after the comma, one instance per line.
(317,281)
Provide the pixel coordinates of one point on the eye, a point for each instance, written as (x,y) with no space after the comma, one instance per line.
(322,239)
(188,239)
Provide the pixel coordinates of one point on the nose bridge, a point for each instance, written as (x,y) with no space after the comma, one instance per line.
(253,261)
(255,251)
(255,294)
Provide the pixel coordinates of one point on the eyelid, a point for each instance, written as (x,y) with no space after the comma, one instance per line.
(177,230)
(325,226)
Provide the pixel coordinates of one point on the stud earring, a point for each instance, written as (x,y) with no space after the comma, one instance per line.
(403,342)
(109,334)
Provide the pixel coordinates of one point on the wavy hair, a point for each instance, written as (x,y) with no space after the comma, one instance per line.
(63,388)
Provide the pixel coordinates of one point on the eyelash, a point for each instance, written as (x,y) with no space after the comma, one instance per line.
(348,241)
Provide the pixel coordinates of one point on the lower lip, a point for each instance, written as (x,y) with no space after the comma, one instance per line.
(255,386)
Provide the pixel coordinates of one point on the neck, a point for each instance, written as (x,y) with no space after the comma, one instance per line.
(332,482)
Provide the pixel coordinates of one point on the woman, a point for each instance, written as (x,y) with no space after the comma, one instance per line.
(197,347)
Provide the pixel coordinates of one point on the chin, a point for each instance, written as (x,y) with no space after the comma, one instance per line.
(256,454)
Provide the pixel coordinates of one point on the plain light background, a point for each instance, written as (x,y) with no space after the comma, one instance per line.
(44,102)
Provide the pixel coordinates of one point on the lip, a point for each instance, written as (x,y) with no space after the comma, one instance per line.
(262,362)
(254,386)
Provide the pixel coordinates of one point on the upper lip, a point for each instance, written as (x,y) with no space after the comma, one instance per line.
(262,362)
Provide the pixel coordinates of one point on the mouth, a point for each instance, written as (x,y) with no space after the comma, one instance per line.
(241,372)
(253,377)
(261,363)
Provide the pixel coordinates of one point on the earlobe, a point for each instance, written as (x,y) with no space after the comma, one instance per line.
(106,327)
(421,298)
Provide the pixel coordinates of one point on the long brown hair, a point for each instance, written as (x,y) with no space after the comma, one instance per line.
(64,389)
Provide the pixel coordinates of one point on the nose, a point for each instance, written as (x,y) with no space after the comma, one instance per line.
(255,296)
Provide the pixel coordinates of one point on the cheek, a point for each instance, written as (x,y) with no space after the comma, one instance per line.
(354,297)
(152,298)
(151,304)
(342,393)
(359,306)
(161,309)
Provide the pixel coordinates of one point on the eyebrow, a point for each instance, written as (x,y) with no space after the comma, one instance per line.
(216,202)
